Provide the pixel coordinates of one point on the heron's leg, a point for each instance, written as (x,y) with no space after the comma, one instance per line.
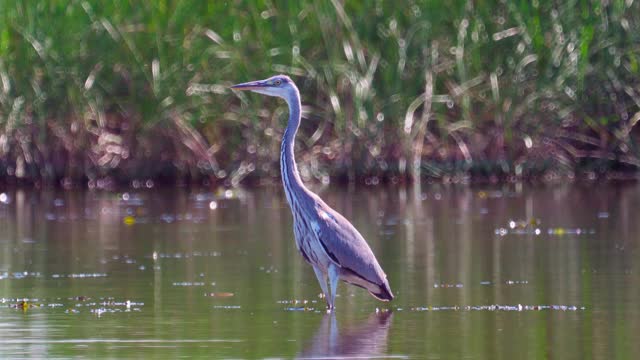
(333,281)
(322,279)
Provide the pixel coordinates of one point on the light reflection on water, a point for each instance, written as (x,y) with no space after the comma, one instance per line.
(478,272)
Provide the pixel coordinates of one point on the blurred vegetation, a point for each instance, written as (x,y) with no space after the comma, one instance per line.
(125,91)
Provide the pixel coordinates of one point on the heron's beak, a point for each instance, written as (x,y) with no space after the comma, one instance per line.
(252,85)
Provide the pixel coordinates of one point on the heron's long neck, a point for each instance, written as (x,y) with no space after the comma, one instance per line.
(293,186)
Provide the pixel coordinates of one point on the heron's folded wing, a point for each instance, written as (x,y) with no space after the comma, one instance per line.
(345,246)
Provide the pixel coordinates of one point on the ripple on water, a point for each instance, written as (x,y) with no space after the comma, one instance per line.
(533,227)
(498,307)
(180,255)
(28,341)
(73,305)
(79,275)
(18,275)
(296,301)
(220,294)
(445,286)
(227,307)
(300,308)
(187,283)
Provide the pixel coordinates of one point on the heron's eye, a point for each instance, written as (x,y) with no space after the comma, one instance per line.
(278,82)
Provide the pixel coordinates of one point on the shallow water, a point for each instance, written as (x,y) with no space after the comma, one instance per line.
(478,273)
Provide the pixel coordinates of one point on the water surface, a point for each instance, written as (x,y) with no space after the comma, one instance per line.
(478,273)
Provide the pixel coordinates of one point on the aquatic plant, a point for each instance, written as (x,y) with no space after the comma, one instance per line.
(122,91)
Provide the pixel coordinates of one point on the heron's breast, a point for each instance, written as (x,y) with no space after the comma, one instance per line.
(309,247)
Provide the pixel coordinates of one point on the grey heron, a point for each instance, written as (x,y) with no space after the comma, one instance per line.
(324,238)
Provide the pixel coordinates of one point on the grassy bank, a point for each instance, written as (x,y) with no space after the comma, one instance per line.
(124,91)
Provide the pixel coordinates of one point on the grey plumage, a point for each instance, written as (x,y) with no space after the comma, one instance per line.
(326,240)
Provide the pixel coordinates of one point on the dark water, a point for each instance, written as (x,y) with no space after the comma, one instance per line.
(479,273)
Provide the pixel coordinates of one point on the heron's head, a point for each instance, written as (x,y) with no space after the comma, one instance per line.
(279,85)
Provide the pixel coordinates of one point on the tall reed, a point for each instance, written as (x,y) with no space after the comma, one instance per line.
(127,91)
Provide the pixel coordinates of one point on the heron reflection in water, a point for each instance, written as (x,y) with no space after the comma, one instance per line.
(324,238)
(364,341)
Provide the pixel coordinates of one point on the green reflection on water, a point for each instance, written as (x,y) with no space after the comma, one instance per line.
(225,280)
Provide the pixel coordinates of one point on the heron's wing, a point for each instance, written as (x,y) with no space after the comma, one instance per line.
(345,246)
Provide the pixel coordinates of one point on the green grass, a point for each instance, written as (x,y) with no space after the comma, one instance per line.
(128,90)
